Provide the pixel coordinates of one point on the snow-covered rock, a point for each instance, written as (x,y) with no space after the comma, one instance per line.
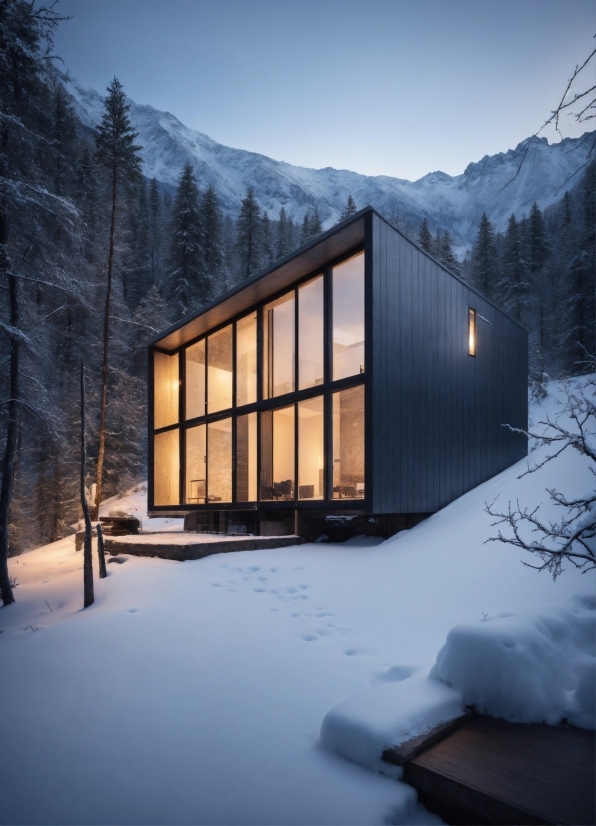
(529,667)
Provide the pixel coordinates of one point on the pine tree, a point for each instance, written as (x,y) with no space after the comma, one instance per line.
(118,153)
(305,231)
(281,245)
(267,254)
(315,227)
(425,239)
(484,259)
(249,234)
(211,238)
(155,232)
(349,209)
(188,284)
(447,256)
(514,271)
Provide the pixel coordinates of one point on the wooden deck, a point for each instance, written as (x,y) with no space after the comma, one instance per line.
(184,546)
(490,771)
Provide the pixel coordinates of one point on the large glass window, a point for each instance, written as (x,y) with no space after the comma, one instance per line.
(246,360)
(278,347)
(311,463)
(348,317)
(194,379)
(348,443)
(166,384)
(166,468)
(310,333)
(246,458)
(219,370)
(196,465)
(219,461)
(277,454)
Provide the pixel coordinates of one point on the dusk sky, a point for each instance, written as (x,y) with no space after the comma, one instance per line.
(383,87)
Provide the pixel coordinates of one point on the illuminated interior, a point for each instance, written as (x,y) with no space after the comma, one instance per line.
(246,458)
(311,329)
(196,465)
(166,468)
(311,449)
(219,461)
(348,318)
(348,443)
(246,360)
(472,331)
(277,454)
(165,389)
(194,378)
(278,346)
(219,370)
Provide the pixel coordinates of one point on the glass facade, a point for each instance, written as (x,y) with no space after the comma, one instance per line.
(279,343)
(348,318)
(306,447)
(219,370)
(348,443)
(311,329)
(311,449)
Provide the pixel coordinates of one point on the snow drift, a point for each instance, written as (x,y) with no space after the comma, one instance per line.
(526,667)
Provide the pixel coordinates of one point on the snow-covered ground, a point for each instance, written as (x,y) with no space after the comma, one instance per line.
(195,692)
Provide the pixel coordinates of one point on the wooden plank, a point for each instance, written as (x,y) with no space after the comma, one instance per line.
(511,773)
(399,755)
(197,550)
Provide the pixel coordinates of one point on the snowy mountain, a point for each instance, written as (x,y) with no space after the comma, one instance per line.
(454,203)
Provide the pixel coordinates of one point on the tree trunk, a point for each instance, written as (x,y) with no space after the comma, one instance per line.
(106,338)
(101,554)
(12,426)
(88,597)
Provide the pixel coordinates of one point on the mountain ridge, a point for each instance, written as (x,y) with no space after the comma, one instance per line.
(453,203)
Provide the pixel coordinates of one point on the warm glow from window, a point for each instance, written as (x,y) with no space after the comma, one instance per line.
(166,384)
(348,317)
(166,468)
(472,332)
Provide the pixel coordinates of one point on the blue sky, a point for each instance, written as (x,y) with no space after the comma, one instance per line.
(382,87)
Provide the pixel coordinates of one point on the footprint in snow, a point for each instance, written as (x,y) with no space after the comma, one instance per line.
(396,674)
(309,638)
(132,610)
(254,568)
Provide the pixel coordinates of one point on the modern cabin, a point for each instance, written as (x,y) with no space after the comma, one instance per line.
(355,382)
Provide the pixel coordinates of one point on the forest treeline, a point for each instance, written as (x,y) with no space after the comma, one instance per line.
(67,194)
(542,271)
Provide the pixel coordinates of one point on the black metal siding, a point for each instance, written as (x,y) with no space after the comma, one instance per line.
(437,413)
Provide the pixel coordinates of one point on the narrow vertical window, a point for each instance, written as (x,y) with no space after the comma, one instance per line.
(348,443)
(219,370)
(348,317)
(311,463)
(166,385)
(310,333)
(166,468)
(246,360)
(219,461)
(246,458)
(277,454)
(194,380)
(196,465)
(278,347)
(471,331)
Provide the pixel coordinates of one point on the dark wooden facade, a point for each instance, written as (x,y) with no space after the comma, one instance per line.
(434,414)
